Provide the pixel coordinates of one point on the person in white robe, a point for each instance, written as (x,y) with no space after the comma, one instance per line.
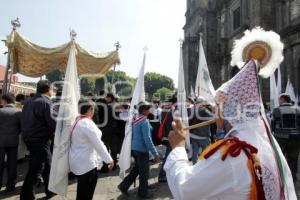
(230,176)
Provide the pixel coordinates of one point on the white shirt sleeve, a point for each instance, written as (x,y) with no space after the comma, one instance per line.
(94,136)
(205,180)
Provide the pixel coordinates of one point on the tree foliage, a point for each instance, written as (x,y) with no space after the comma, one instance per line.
(155,81)
(87,85)
(123,83)
(55,75)
(162,94)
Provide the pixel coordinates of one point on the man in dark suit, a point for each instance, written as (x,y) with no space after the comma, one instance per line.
(38,128)
(10,128)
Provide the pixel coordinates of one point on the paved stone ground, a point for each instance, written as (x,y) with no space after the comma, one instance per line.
(106,187)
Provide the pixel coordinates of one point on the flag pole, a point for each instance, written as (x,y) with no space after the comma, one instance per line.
(200,42)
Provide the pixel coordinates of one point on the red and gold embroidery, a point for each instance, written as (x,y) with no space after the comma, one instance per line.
(233,146)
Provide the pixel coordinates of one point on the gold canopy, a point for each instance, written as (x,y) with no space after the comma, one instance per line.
(32,60)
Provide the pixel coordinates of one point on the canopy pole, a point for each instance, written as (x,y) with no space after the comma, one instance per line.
(118,46)
(10,77)
(6,85)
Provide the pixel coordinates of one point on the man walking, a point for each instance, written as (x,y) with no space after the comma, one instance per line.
(200,137)
(38,129)
(10,128)
(285,124)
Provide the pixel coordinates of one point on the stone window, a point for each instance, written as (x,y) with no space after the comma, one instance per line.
(294,9)
(222,25)
(236,18)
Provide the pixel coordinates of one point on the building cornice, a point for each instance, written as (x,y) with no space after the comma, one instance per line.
(189,20)
(290,30)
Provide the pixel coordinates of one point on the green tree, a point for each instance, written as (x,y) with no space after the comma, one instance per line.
(87,85)
(155,81)
(162,94)
(55,75)
(123,82)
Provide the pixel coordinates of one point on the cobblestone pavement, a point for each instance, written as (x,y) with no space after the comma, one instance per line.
(106,187)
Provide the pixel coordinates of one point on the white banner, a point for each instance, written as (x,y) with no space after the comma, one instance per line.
(68,111)
(273,93)
(204,86)
(181,100)
(279,90)
(290,90)
(138,95)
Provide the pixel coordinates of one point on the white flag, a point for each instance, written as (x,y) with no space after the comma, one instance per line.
(279,90)
(290,90)
(181,99)
(273,93)
(68,111)
(204,86)
(192,93)
(138,95)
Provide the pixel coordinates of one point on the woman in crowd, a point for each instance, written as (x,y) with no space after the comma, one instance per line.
(85,151)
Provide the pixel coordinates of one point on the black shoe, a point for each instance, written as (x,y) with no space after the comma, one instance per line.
(115,167)
(10,189)
(146,196)
(125,192)
(39,181)
(104,169)
(162,179)
(49,195)
(152,189)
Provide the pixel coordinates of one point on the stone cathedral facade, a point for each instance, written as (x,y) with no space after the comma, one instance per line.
(220,22)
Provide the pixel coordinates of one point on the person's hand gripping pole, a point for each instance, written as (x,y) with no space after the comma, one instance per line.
(177,135)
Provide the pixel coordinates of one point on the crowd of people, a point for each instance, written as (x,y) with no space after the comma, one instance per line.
(98,133)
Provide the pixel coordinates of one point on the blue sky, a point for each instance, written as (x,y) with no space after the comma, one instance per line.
(100,23)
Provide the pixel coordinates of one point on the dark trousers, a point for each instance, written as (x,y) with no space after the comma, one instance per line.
(86,185)
(291,148)
(113,142)
(162,173)
(11,155)
(116,145)
(40,161)
(141,169)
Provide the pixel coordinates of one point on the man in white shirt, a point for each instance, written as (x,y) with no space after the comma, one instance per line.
(247,164)
(87,151)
